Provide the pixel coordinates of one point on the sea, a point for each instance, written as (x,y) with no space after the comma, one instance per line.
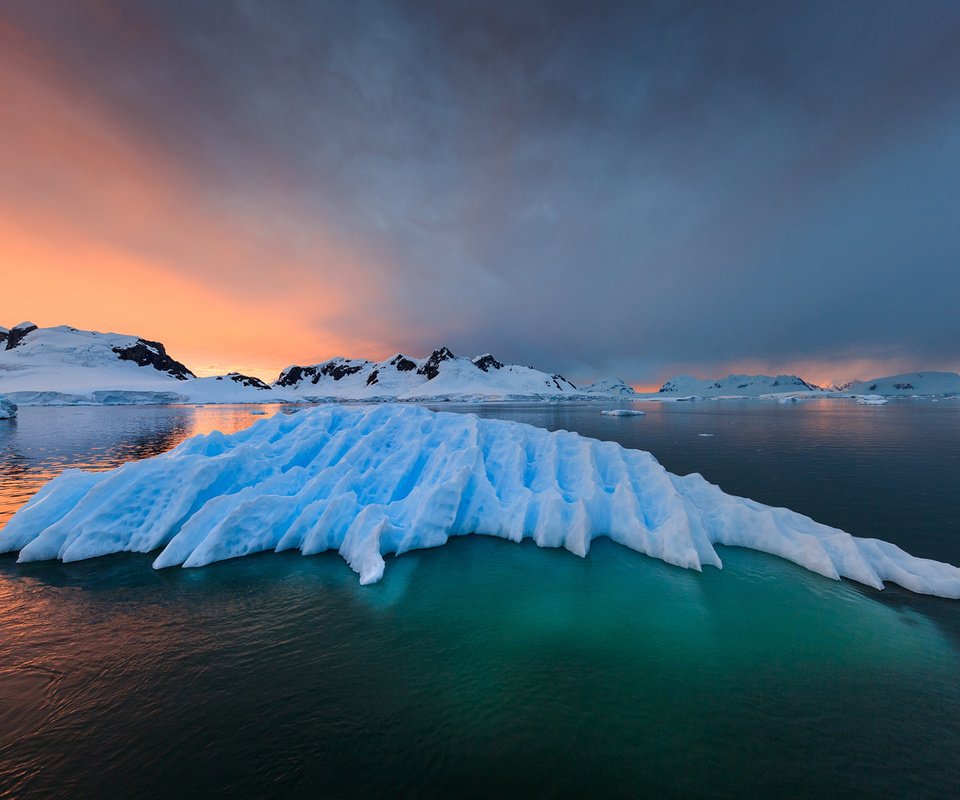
(485,668)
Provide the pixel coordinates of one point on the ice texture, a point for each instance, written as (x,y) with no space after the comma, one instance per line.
(623,412)
(373,480)
(8,409)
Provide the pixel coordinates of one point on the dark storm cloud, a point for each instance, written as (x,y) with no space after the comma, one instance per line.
(583,186)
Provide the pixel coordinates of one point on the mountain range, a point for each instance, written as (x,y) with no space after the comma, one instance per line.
(66,366)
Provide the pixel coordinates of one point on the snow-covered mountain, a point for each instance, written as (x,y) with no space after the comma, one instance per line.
(735,386)
(909,384)
(610,388)
(440,376)
(64,365)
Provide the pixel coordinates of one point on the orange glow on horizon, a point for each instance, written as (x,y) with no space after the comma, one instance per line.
(104,230)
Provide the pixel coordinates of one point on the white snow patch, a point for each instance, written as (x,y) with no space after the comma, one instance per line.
(386,479)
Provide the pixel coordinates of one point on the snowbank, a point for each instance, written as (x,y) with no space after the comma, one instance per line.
(387,479)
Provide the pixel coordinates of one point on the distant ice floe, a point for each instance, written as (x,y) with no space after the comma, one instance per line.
(370,481)
(871,400)
(624,412)
(8,409)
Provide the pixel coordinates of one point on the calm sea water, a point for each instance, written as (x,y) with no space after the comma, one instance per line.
(487,668)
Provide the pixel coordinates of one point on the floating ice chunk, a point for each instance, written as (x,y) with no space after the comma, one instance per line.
(871,400)
(8,409)
(386,479)
(705,434)
(624,412)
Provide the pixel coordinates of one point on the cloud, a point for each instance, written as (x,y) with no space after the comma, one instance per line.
(596,187)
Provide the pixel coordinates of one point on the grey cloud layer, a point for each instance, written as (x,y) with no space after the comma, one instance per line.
(590,186)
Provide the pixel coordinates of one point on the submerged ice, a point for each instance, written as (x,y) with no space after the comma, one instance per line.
(386,479)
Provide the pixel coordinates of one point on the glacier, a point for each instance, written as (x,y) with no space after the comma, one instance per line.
(369,481)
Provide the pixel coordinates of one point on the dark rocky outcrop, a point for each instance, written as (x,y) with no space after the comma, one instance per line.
(373,377)
(431,368)
(336,369)
(16,334)
(145,353)
(245,380)
(291,376)
(403,364)
(556,382)
(487,363)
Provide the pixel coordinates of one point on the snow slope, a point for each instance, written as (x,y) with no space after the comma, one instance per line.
(909,384)
(440,376)
(67,366)
(733,386)
(386,479)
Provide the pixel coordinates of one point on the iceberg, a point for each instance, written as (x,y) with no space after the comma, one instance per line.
(375,480)
(8,409)
(624,412)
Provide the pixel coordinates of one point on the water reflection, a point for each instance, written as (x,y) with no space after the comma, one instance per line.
(491,665)
(42,442)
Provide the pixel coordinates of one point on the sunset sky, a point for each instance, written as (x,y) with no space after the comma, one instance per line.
(601,189)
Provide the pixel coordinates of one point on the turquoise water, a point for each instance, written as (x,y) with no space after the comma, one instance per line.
(489,668)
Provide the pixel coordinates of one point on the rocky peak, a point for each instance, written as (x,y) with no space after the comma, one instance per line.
(16,334)
(402,363)
(336,368)
(487,362)
(290,376)
(431,367)
(244,380)
(145,353)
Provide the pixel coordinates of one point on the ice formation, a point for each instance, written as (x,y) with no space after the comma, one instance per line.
(8,409)
(623,412)
(369,481)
